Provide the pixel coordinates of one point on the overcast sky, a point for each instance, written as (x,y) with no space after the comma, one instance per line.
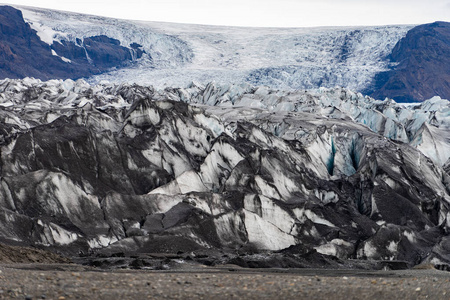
(272,13)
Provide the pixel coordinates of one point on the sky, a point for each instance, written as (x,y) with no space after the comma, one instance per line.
(261,13)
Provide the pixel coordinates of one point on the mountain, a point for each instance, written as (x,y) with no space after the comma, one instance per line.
(384,61)
(423,65)
(24,54)
(223,174)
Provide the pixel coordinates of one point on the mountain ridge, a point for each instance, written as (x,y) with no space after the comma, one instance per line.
(26,55)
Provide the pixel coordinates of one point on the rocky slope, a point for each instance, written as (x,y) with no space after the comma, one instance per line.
(25,54)
(24,255)
(40,52)
(423,65)
(320,176)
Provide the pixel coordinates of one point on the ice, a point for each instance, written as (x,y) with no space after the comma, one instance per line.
(411,236)
(210,122)
(369,250)
(174,163)
(61,236)
(228,228)
(322,150)
(305,214)
(272,178)
(316,219)
(334,248)
(54,26)
(45,33)
(186,183)
(284,185)
(144,115)
(327,249)
(433,142)
(270,212)
(218,164)
(266,189)
(394,121)
(436,261)
(190,182)
(101,241)
(266,235)
(284,58)
(68,198)
(434,104)
(54,234)
(195,139)
(392,247)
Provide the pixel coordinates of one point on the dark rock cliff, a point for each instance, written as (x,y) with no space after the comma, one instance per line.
(423,69)
(23,54)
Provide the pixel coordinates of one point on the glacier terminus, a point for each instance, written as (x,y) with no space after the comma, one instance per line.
(259,147)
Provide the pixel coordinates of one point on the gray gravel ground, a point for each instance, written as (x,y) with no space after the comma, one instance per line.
(36,281)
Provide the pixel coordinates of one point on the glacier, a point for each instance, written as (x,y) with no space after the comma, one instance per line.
(322,177)
(221,145)
(281,58)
